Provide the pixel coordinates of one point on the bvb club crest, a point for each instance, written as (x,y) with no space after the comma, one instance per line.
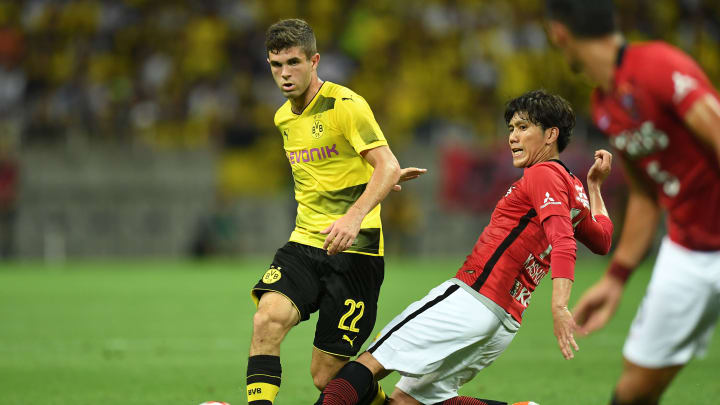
(272,275)
(317,128)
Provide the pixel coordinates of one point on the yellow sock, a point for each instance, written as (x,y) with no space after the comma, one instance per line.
(263,379)
(380,396)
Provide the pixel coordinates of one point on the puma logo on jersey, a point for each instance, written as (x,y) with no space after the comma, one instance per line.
(311,155)
(351,341)
(548,201)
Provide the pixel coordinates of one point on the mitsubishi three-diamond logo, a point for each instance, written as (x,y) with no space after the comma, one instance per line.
(548,201)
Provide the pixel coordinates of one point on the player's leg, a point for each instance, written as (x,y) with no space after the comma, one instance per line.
(440,343)
(643,386)
(284,297)
(354,379)
(348,310)
(673,324)
(275,316)
(324,366)
(399,397)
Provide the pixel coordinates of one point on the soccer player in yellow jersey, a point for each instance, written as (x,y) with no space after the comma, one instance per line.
(333,263)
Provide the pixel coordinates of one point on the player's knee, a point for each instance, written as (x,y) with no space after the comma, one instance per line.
(269,324)
(321,378)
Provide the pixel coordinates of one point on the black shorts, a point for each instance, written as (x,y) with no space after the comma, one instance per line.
(344,288)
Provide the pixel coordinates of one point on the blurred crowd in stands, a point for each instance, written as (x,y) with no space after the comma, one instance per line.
(187,74)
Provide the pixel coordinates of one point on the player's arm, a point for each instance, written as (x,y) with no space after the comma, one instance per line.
(408,173)
(563,322)
(703,119)
(596,232)
(598,304)
(559,232)
(342,233)
(541,181)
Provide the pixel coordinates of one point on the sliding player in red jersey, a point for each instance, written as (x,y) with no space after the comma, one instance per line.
(661,114)
(442,341)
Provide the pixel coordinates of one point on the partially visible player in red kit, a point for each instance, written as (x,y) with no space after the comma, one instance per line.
(442,341)
(661,114)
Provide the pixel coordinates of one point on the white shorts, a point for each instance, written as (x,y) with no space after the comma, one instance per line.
(680,310)
(440,342)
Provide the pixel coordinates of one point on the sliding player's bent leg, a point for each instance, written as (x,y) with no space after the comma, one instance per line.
(275,316)
(643,386)
(470,401)
(399,397)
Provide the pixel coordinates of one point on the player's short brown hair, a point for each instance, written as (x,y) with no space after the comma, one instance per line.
(546,111)
(584,18)
(285,34)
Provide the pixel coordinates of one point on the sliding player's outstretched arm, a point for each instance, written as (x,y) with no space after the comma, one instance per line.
(563,322)
(598,304)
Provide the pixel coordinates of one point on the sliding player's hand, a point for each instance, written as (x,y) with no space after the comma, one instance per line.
(342,233)
(408,173)
(564,327)
(601,168)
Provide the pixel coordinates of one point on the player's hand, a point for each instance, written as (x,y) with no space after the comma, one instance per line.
(408,173)
(342,233)
(564,328)
(601,168)
(598,304)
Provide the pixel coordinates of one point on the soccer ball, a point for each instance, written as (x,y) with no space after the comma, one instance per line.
(214,403)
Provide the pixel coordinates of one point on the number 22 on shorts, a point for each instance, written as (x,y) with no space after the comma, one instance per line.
(354,306)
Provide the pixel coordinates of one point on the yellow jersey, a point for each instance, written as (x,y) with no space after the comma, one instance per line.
(323,145)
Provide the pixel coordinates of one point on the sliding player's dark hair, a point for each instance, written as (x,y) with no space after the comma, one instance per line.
(285,34)
(546,111)
(584,18)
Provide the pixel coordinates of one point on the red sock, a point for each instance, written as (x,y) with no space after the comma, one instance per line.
(463,401)
(339,392)
(349,385)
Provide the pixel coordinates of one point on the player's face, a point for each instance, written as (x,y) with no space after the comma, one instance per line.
(292,70)
(562,38)
(528,142)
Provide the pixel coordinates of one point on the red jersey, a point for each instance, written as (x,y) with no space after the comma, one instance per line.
(512,254)
(654,86)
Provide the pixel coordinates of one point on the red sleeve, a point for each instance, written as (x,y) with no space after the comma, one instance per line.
(559,232)
(547,190)
(674,79)
(595,233)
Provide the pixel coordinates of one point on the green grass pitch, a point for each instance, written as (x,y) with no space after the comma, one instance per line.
(144,332)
